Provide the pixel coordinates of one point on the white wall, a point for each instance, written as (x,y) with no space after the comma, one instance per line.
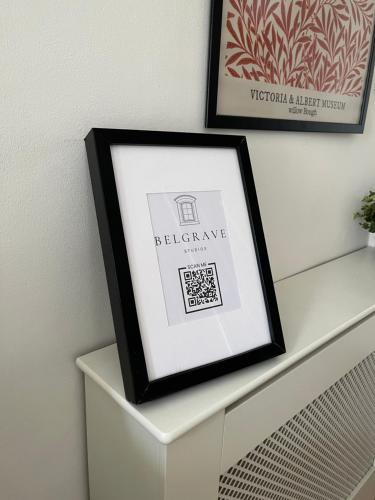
(68,66)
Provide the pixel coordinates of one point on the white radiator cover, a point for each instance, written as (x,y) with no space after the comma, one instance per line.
(322,453)
(300,426)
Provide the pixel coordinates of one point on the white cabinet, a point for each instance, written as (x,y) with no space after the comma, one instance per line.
(299,426)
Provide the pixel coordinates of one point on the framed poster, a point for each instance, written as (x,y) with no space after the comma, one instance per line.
(188,274)
(301,65)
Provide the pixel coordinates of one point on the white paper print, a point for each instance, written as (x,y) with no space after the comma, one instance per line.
(195,259)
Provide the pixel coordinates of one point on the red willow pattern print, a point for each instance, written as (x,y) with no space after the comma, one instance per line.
(319,45)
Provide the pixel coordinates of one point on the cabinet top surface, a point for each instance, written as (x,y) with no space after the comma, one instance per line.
(315,306)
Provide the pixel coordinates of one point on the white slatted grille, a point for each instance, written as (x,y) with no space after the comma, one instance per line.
(322,453)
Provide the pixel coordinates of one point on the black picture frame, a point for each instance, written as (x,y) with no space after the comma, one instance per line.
(215,120)
(138,387)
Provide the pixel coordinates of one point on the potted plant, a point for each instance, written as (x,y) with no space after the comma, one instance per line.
(366,216)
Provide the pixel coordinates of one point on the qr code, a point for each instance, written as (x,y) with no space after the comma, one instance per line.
(200,288)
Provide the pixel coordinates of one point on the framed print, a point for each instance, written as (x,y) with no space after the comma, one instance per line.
(302,65)
(188,274)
